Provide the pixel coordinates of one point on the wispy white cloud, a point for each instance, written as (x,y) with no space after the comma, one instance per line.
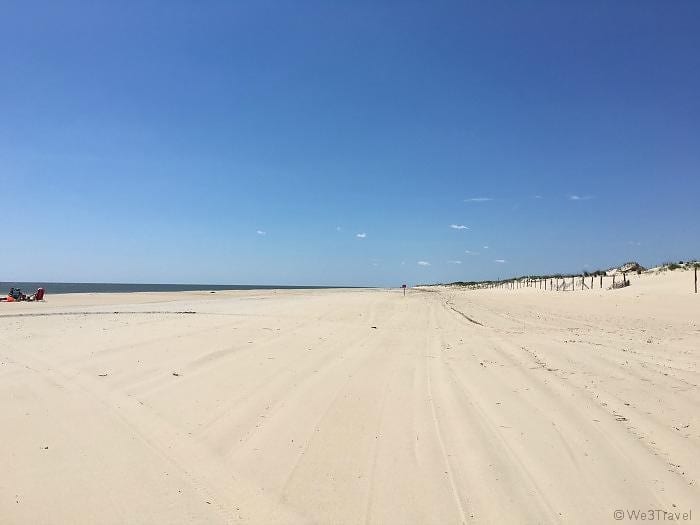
(538,197)
(361,235)
(338,229)
(423,263)
(459,227)
(454,262)
(486,247)
(634,243)
(478,199)
(469,252)
(500,261)
(580,197)
(261,232)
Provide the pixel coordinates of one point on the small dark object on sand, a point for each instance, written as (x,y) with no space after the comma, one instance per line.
(176,374)
(373,327)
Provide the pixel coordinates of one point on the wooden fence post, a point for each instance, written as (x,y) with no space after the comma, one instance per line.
(696,277)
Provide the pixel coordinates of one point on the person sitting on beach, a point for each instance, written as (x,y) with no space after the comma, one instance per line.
(17,294)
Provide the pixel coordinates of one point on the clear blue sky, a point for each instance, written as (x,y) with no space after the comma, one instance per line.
(156,141)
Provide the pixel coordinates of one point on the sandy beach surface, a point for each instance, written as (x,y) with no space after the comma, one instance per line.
(352,406)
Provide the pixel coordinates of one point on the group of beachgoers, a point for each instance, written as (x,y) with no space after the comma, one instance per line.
(16,294)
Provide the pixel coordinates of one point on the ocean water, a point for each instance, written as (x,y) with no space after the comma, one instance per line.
(56,288)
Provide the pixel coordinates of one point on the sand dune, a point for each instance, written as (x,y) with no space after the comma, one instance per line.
(351,406)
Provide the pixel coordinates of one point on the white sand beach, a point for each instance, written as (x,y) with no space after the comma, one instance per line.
(351,406)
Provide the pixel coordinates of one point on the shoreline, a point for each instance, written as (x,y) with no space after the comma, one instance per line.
(70,288)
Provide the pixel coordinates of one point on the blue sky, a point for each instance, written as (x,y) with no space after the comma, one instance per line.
(224,142)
